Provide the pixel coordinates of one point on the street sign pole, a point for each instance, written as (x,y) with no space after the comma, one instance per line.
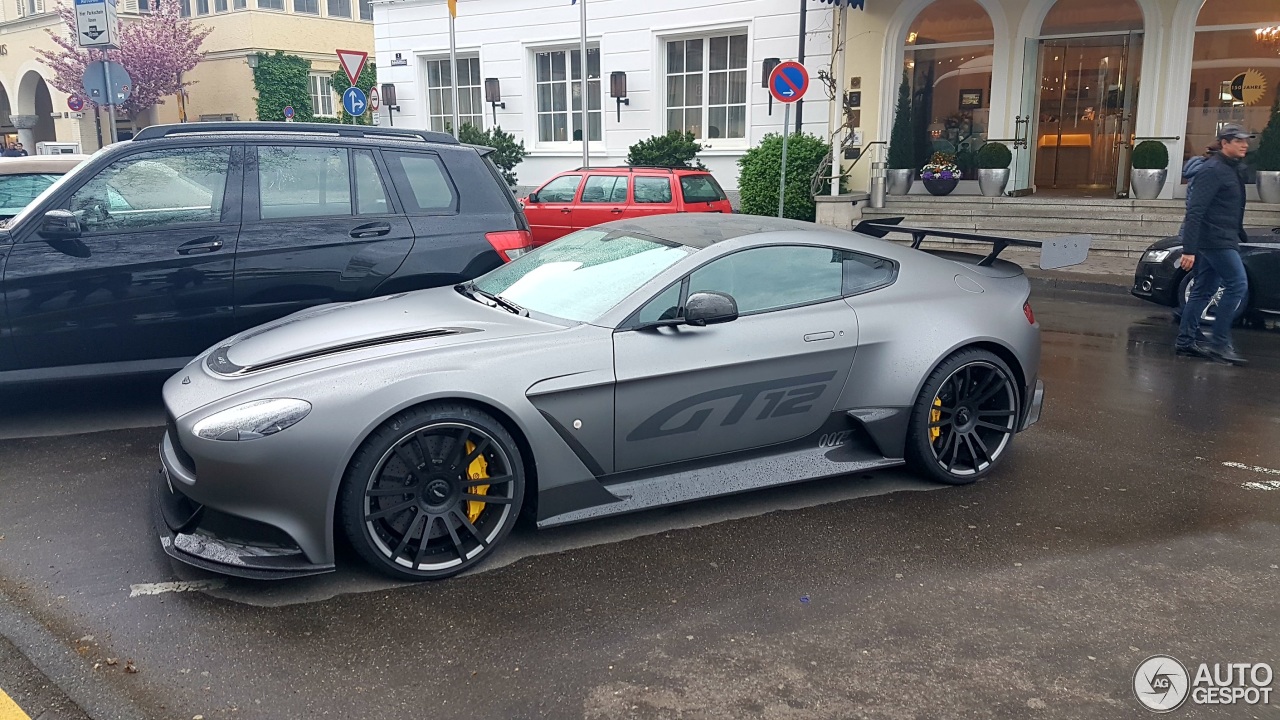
(453,73)
(787,84)
(112,135)
(782,176)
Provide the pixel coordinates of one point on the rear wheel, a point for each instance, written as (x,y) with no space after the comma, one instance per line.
(964,419)
(432,491)
(1211,312)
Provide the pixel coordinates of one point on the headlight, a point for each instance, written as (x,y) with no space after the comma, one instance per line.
(1156,256)
(253,420)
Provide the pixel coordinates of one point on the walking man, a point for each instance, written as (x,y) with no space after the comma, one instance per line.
(1211,239)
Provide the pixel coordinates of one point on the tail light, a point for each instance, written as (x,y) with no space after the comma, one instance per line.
(1031,314)
(510,244)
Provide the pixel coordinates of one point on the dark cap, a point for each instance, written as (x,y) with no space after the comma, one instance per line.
(1235,132)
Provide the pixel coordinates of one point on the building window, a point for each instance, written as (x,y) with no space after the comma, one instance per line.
(321,95)
(339,8)
(366,10)
(268,4)
(202,7)
(707,86)
(239,4)
(440,94)
(184,8)
(220,6)
(146,6)
(559,86)
(30,7)
(1074,17)
(310,7)
(1235,71)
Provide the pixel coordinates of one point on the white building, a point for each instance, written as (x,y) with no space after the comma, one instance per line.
(689,66)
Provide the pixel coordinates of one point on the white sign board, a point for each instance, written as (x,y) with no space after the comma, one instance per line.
(96,24)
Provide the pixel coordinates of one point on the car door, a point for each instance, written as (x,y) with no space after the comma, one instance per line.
(604,199)
(699,192)
(651,195)
(150,275)
(319,227)
(550,210)
(771,376)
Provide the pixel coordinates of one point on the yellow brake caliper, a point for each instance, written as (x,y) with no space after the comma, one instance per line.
(477,470)
(935,416)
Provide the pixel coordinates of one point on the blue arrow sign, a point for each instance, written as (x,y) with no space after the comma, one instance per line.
(354,101)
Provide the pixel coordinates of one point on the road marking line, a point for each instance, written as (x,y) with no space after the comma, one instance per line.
(168,587)
(9,709)
(1252,468)
(1265,485)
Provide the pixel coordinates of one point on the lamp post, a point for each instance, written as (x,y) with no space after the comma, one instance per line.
(493,96)
(389,99)
(618,90)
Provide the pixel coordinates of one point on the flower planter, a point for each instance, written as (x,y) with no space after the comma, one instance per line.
(1147,184)
(1269,186)
(940,186)
(992,182)
(900,181)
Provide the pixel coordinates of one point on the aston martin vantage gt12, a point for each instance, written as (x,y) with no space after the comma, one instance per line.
(634,364)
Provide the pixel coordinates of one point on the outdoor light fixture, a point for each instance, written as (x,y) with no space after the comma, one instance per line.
(493,96)
(1269,36)
(769,65)
(618,90)
(389,100)
(252,60)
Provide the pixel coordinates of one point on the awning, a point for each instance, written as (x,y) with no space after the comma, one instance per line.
(855,4)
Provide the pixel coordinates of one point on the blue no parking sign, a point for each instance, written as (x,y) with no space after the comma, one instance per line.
(788,82)
(354,101)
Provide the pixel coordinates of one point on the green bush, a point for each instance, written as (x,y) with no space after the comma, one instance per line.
(281,80)
(673,150)
(1150,155)
(507,151)
(366,82)
(901,147)
(994,156)
(1267,156)
(759,169)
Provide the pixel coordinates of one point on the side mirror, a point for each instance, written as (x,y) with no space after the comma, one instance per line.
(533,198)
(59,225)
(710,308)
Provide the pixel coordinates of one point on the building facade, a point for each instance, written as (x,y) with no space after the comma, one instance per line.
(694,67)
(1069,85)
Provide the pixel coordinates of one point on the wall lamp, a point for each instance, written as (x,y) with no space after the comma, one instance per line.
(493,96)
(388,96)
(618,90)
(252,60)
(769,65)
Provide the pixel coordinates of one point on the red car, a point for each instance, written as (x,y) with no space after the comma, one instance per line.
(586,197)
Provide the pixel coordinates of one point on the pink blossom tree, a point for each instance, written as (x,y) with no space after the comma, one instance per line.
(156,49)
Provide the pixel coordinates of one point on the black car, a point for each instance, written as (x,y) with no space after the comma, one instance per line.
(1160,279)
(159,247)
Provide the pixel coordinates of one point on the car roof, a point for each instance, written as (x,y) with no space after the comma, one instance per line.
(639,169)
(40,164)
(701,230)
(300,130)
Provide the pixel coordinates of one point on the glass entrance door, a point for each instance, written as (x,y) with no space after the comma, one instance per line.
(1084,122)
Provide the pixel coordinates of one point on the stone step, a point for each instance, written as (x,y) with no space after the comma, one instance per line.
(1141,225)
(1253,216)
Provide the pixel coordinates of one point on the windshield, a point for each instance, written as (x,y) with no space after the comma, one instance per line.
(30,207)
(584,275)
(17,191)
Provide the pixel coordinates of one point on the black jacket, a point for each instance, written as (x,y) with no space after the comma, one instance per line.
(1215,207)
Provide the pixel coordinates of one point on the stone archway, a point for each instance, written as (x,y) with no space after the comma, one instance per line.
(34,119)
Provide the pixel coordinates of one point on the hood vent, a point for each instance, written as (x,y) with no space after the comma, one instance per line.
(220,363)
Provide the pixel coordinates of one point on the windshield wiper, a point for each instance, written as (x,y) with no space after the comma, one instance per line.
(471,289)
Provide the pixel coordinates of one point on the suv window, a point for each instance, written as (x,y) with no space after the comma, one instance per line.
(700,188)
(652,189)
(424,177)
(605,189)
(561,190)
(297,181)
(16,191)
(155,189)
(371,197)
(775,277)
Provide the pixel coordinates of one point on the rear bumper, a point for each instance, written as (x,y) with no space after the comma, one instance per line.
(1034,405)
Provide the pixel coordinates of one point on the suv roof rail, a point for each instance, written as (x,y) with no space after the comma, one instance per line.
(636,167)
(155,132)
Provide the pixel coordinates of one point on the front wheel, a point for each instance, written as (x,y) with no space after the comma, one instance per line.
(432,491)
(964,419)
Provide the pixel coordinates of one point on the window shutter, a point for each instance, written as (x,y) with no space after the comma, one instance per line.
(22,8)
(131,6)
(39,7)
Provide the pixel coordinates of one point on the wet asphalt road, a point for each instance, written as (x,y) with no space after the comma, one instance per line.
(1138,518)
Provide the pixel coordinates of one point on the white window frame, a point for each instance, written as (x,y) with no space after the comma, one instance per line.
(442,113)
(317,108)
(571,115)
(705,34)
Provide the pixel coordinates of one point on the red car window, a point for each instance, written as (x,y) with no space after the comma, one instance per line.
(605,189)
(651,189)
(560,190)
(700,188)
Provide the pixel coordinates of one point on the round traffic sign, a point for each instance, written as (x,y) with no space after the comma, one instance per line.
(354,101)
(76,103)
(788,82)
(288,112)
(375,101)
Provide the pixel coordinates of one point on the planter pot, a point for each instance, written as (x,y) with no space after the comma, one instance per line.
(938,186)
(900,181)
(1269,187)
(1147,184)
(993,182)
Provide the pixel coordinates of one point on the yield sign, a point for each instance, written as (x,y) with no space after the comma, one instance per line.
(352,62)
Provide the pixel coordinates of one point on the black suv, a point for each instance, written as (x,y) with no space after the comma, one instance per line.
(157,248)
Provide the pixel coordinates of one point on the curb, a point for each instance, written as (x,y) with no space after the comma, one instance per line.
(1045,282)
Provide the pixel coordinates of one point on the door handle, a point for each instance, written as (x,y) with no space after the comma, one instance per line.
(566,211)
(371,230)
(812,337)
(616,211)
(200,245)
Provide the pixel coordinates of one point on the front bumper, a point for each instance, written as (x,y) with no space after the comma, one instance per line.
(1034,406)
(217,541)
(1157,282)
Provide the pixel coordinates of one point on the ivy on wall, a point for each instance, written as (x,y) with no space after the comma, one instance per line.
(280,81)
(367,80)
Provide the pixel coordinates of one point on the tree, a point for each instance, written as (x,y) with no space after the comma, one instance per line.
(156,50)
(901,151)
(674,150)
(1267,156)
(759,171)
(507,151)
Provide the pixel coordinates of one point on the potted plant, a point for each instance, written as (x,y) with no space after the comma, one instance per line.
(1150,169)
(940,174)
(1266,159)
(993,168)
(901,164)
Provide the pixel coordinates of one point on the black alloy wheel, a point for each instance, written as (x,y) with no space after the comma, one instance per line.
(432,491)
(964,419)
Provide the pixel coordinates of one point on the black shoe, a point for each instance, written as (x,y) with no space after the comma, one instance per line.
(1194,350)
(1228,356)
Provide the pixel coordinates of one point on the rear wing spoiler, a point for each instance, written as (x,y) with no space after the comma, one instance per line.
(1054,253)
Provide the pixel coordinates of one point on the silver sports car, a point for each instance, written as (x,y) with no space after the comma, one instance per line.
(627,366)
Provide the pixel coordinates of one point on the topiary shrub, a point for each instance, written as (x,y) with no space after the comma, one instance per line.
(759,169)
(508,152)
(901,145)
(281,81)
(1267,157)
(994,156)
(1150,155)
(673,150)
